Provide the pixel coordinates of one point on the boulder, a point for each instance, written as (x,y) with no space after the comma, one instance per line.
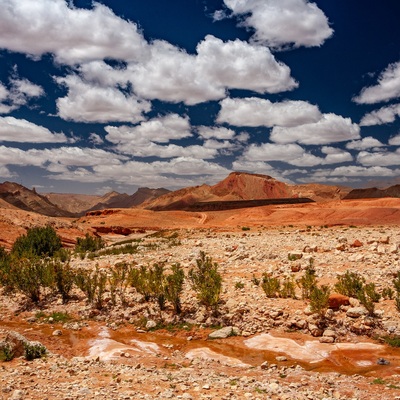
(224,333)
(356,312)
(337,300)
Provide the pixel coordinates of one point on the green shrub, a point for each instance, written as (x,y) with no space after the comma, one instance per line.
(88,243)
(39,241)
(118,282)
(29,276)
(288,289)
(93,284)
(307,282)
(350,284)
(387,293)
(174,287)
(157,283)
(364,296)
(64,278)
(206,281)
(140,280)
(319,299)
(396,282)
(6,353)
(270,285)
(239,285)
(255,280)
(34,350)
(5,270)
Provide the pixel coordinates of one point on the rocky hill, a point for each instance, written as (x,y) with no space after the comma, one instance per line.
(374,193)
(245,186)
(82,203)
(29,200)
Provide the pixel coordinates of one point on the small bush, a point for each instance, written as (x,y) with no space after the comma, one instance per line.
(5,270)
(157,284)
(307,282)
(88,244)
(270,285)
(255,280)
(288,289)
(118,282)
(387,293)
(319,299)
(64,279)
(350,284)
(206,281)
(29,276)
(38,242)
(365,299)
(6,353)
(34,350)
(140,280)
(93,285)
(174,287)
(239,285)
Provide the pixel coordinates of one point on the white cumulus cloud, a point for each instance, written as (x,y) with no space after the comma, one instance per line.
(171,74)
(331,128)
(23,131)
(382,116)
(380,158)
(87,102)
(72,34)
(387,88)
(335,155)
(21,91)
(395,140)
(368,142)
(279,23)
(254,111)
(290,153)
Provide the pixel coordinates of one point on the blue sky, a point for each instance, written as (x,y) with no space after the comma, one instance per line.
(116,94)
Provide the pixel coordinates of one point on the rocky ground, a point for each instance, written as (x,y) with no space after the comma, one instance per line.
(279,351)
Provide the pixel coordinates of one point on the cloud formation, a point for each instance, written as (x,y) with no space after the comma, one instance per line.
(254,111)
(331,128)
(387,88)
(368,142)
(23,131)
(384,115)
(73,35)
(379,158)
(87,102)
(290,153)
(279,23)
(21,91)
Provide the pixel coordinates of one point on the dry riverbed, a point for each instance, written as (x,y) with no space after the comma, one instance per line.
(277,352)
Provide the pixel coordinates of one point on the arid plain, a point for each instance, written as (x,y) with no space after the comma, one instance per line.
(265,347)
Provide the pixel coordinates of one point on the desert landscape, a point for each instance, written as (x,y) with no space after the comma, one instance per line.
(251,340)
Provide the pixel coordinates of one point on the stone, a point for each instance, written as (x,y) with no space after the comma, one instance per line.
(295,255)
(336,300)
(222,333)
(57,332)
(356,312)
(357,243)
(329,333)
(150,324)
(264,365)
(341,247)
(281,358)
(384,240)
(354,302)
(382,361)
(314,330)
(326,339)
(295,267)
